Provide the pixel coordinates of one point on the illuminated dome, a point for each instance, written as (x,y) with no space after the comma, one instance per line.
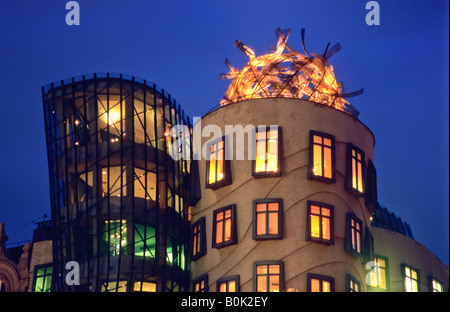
(292,74)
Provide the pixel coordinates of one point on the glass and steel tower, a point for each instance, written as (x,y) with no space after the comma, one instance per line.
(119,201)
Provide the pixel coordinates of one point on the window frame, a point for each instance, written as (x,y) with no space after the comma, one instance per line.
(386,274)
(203,278)
(321,240)
(46,275)
(348,280)
(321,278)
(233,230)
(267,236)
(349,235)
(226,280)
(267,174)
(268,263)
(349,171)
(202,237)
(226,165)
(321,178)
(432,279)
(403,267)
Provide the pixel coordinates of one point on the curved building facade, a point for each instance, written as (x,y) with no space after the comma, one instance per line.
(298,216)
(119,200)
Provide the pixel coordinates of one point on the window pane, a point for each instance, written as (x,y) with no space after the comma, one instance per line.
(326,286)
(274,283)
(317,170)
(272,163)
(212,168)
(223,287)
(327,163)
(260,163)
(354,182)
(261,269)
(274,269)
(315,285)
(227,230)
(219,232)
(315,226)
(360,179)
(273,223)
(317,139)
(260,223)
(326,228)
(262,284)
(232,286)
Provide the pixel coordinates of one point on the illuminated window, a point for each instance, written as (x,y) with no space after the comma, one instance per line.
(411,281)
(353,235)
(115,237)
(435,285)
(378,275)
(267,159)
(267,219)
(321,157)
(144,287)
(355,170)
(43,278)
(114,181)
(268,276)
(116,286)
(201,284)
(224,227)
(198,239)
(320,283)
(319,225)
(144,241)
(228,284)
(352,284)
(217,168)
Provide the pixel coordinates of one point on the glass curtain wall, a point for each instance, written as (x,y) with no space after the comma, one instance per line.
(119,200)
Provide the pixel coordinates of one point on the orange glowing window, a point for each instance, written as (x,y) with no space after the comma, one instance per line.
(355,170)
(321,162)
(267,160)
(353,235)
(320,222)
(218,173)
(320,283)
(201,284)
(224,227)
(268,276)
(267,216)
(228,284)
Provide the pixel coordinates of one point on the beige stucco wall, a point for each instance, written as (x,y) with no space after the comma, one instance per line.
(296,118)
(400,249)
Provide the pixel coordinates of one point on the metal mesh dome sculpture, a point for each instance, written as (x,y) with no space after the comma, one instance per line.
(288,74)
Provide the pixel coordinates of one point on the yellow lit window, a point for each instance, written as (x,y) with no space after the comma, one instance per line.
(321,164)
(319,283)
(229,284)
(411,279)
(144,287)
(267,154)
(268,277)
(436,285)
(201,284)
(355,170)
(216,162)
(320,222)
(377,275)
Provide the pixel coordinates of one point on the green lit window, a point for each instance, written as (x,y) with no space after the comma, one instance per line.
(43,278)
(144,241)
(175,253)
(115,237)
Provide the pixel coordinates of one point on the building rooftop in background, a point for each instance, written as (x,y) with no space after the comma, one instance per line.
(388,220)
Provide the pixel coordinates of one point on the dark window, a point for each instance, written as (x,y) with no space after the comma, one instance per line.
(228,284)
(320,223)
(198,239)
(268,276)
(266,162)
(267,219)
(218,173)
(224,227)
(321,157)
(320,283)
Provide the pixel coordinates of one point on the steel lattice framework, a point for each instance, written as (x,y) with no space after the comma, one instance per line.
(288,74)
